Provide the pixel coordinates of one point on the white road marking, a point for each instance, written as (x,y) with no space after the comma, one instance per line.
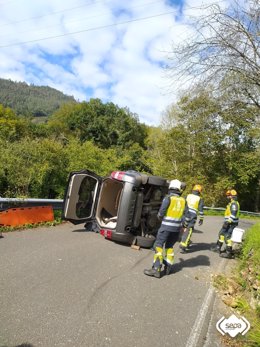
(198,324)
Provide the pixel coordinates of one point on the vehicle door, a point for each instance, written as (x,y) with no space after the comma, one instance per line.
(81,197)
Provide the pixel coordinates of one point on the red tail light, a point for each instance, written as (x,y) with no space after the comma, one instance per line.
(106,233)
(118,175)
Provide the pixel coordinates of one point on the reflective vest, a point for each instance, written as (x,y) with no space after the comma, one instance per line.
(232,212)
(173,216)
(193,202)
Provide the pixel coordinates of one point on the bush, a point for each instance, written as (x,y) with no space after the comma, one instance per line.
(251,247)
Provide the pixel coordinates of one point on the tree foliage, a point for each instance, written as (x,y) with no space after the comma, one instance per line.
(224,50)
(36,159)
(205,142)
(30,100)
(105,124)
(220,117)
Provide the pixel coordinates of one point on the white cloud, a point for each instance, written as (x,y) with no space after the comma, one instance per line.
(90,56)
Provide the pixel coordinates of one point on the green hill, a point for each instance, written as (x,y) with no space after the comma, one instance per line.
(31,100)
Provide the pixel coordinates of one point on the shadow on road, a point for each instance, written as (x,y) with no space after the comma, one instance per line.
(200,260)
(197,231)
(201,246)
(83,230)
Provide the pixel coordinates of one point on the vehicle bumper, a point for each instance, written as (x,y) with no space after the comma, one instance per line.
(127,238)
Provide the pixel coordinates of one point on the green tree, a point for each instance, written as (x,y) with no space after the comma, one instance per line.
(209,144)
(224,56)
(86,155)
(12,127)
(106,125)
(33,168)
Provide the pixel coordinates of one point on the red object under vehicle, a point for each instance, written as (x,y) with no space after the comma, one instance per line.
(106,233)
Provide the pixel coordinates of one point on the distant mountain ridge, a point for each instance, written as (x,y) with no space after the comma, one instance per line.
(31,100)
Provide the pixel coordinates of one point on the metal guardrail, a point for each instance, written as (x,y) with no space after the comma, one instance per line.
(254,214)
(6,203)
(57,204)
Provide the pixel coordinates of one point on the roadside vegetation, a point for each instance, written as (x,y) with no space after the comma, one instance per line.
(241,290)
(220,212)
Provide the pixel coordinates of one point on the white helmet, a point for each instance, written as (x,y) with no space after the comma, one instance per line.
(175,184)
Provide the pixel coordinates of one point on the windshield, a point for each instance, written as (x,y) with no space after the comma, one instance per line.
(86,195)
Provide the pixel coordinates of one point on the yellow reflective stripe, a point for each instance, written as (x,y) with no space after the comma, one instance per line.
(158,255)
(193,201)
(186,242)
(172,219)
(169,252)
(229,242)
(176,207)
(169,256)
(228,213)
(159,250)
(173,223)
(221,238)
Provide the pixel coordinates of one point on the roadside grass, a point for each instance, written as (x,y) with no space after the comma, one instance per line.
(241,290)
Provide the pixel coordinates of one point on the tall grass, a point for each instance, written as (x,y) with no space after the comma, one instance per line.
(251,246)
(250,264)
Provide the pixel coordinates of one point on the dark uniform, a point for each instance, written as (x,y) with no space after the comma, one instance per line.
(171,213)
(231,219)
(195,207)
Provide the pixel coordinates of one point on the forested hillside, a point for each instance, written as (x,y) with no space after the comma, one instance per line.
(30,100)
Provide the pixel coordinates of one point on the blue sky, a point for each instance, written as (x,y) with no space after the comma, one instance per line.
(109,49)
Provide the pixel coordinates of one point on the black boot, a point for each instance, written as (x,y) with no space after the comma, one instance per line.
(226,255)
(153,272)
(167,269)
(217,248)
(183,249)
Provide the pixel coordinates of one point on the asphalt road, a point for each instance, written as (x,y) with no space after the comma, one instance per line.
(62,286)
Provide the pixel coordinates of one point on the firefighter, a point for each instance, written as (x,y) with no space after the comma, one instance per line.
(170,214)
(231,219)
(195,207)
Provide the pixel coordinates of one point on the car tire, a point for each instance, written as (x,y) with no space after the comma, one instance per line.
(144,242)
(157,181)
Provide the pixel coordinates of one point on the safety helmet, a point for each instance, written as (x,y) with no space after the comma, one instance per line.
(175,184)
(197,188)
(183,186)
(231,192)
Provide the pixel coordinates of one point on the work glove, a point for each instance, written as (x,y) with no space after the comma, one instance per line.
(200,221)
(159,217)
(226,224)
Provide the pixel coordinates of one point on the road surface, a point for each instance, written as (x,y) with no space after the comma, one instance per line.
(61,286)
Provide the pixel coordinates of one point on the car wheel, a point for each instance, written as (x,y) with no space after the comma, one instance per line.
(145,242)
(156,181)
